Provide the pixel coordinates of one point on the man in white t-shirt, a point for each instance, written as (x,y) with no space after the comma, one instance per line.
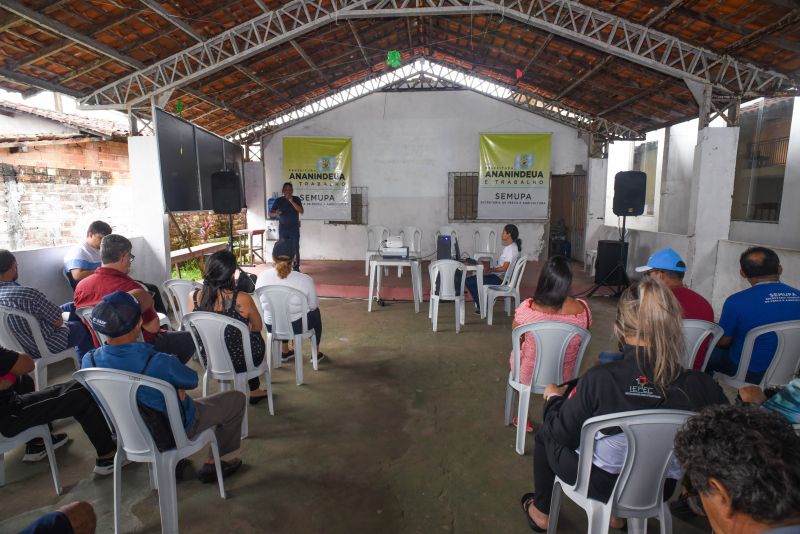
(82,260)
(283,254)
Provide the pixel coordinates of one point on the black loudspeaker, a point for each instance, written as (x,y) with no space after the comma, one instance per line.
(608,257)
(629,193)
(225,195)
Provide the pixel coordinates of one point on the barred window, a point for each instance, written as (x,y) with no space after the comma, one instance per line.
(358,207)
(463,196)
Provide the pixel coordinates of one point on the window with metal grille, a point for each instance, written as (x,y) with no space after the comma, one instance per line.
(463,196)
(358,207)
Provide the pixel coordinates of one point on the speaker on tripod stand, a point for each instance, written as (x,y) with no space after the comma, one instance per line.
(226,198)
(612,256)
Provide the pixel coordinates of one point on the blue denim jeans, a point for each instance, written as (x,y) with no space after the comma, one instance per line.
(720,360)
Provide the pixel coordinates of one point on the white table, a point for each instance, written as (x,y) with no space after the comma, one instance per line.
(376,264)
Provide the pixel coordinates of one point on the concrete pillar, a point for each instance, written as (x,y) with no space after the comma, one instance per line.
(596,177)
(255,194)
(710,202)
(147,202)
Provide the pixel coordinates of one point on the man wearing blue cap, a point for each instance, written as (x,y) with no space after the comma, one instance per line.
(668,266)
(119,317)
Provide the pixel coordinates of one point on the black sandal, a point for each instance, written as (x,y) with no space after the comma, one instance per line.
(526,502)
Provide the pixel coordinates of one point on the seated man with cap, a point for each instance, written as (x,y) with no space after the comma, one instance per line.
(668,266)
(119,317)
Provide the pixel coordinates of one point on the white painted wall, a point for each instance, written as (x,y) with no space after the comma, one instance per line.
(255,194)
(727,279)
(23,123)
(680,141)
(404,144)
(786,233)
(596,176)
(620,158)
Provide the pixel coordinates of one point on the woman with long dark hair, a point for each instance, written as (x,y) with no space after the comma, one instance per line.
(219,295)
(494,274)
(650,376)
(550,302)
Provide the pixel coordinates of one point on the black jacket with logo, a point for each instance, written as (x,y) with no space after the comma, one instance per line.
(623,386)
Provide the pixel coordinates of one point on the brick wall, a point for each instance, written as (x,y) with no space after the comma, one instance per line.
(50,194)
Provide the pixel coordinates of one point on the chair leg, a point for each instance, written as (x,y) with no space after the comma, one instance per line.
(2,469)
(637,525)
(239,385)
(48,443)
(117,489)
(298,360)
(665,519)
(218,467)
(205,384)
(555,508)
(435,316)
(39,375)
(509,403)
(489,308)
(151,474)
(270,402)
(167,495)
(522,420)
(399,271)
(314,352)
(276,353)
(599,517)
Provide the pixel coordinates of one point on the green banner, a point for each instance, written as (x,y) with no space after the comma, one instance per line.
(320,169)
(514,176)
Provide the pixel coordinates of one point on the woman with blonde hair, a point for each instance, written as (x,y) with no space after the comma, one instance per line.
(650,376)
(283,257)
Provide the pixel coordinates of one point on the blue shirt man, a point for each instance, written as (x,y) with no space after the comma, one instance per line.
(767,301)
(288,209)
(119,317)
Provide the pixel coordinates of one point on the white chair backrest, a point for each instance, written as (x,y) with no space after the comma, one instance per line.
(695,332)
(278,299)
(552,339)
(446,271)
(7,337)
(375,236)
(412,238)
(785,362)
(513,277)
(485,240)
(116,392)
(650,435)
(208,332)
(446,230)
(178,292)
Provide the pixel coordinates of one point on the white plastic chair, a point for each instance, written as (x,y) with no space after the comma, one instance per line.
(552,339)
(208,331)
(9,341)
(8,444)
(639,491)
(116,392)
(446,271)
(278,300)
(509,289)
(695,332)
(785,362)
(447,230)
(375,236)
(484,243)
(412,238)
(178,293)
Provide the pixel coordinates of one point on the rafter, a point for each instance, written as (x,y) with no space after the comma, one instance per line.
(309,61)
(358,42)
(566,18)
(37,82)
(449,76)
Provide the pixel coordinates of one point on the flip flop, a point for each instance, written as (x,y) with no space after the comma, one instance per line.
(526,502)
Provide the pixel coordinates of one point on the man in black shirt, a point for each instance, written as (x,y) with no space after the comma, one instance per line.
(22,408)
(288,209)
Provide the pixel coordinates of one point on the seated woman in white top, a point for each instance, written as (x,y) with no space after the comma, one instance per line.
(512,247)
(282,275)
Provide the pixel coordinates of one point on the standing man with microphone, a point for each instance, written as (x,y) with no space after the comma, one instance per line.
(288,209)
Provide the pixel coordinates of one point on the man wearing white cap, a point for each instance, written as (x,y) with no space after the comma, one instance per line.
(667,266)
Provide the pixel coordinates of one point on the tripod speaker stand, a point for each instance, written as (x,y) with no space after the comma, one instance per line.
(617,276)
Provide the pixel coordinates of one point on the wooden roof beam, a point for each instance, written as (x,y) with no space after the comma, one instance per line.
(358,42)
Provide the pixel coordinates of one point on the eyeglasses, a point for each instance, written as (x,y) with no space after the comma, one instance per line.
(132,256)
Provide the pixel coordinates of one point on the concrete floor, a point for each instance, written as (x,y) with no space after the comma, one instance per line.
(401,431)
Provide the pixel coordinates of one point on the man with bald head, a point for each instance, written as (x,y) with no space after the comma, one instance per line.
(766,301)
